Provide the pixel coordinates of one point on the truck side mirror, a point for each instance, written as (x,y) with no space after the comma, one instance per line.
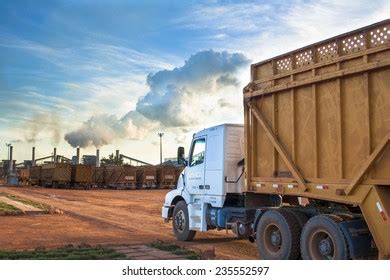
(180,155)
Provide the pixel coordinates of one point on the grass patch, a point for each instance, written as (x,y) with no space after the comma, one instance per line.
(65,253)
(177,250)
(43,207)
(6,209)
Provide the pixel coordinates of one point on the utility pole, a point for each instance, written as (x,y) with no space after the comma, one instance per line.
(160,134)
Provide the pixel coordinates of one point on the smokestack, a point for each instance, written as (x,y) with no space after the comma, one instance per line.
(97,158)
(78,155)
(33,157)
(117,156)
(55,155)
(11,162)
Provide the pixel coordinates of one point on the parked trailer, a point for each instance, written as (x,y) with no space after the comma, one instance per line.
(316,126)
(81,176)
(146,177)
(24,176)
(114,177)
(98,176)
(35,175)
(130,176)
(166,176)
(56,175)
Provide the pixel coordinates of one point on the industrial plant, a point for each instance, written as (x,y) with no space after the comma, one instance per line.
(87,172)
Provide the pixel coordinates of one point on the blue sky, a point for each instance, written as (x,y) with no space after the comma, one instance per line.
(107,70)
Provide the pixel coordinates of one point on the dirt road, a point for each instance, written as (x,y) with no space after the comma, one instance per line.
(105,217)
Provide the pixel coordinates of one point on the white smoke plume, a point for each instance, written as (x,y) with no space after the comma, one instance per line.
(43,123)
(102,129)
(178,99)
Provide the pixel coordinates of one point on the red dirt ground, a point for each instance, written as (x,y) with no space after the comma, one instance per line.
(105,217)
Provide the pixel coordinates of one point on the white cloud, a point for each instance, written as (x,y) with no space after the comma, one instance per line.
(263,31)
(235,17)
(316,20)
(188,96)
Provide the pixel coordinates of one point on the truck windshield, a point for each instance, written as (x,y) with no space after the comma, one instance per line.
(198,149)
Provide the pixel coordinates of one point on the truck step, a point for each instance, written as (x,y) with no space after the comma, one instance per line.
(196,218)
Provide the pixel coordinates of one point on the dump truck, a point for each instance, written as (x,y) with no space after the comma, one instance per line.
(308,174)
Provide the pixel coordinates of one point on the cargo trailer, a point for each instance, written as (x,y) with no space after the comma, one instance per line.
(81,176)
(114,177)
(146,177)
(130,176)
(98,176)
(24,176)
(35,175)
(56,175)
(166,176)
(308,174)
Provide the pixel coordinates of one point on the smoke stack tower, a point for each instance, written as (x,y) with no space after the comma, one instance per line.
(55,155)
(33,157)
(78,155)
(117,156)
(12,178)
(97,158)
(11,161)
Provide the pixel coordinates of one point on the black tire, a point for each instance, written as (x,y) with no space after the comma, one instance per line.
(277,236)
(180,222)
(300,217)
(322,239)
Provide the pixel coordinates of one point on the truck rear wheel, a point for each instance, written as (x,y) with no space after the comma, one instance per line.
(181,222)
(322,239)
(277,236)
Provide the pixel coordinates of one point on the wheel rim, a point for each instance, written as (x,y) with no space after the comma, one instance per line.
(272,239)
(321,245)
(180,220)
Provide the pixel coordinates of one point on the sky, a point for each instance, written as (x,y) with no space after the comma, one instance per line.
(112,74)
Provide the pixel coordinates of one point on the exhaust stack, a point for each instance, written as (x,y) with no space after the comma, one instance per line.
(78,155)
(12,178)
(97,158)
(117,156)
(11,161)
(55,155)
(33,157)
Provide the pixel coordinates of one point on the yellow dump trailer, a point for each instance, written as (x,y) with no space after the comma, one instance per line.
(317,125)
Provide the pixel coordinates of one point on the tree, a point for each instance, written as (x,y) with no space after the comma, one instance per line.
(111,160)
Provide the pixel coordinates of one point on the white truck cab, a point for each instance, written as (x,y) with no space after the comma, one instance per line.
(214,170)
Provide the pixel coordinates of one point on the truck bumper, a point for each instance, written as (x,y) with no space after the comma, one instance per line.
(165,213)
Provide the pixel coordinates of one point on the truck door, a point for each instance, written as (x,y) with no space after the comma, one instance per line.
(196,166)
(214,165)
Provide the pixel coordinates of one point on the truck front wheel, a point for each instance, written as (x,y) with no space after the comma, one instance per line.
(277,236)
(180,222)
